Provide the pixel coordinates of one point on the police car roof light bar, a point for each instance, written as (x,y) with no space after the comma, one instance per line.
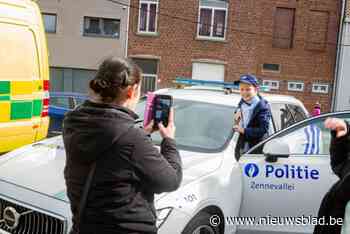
(225,85)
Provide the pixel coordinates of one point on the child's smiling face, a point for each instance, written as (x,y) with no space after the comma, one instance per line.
(247,91)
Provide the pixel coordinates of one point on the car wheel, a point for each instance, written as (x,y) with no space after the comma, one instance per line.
(201,225)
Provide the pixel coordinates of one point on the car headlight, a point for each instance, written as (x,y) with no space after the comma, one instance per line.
(162,215)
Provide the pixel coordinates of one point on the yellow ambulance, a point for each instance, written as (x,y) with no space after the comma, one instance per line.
(24,75)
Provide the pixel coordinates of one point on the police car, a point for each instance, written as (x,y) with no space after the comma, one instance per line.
(216,187)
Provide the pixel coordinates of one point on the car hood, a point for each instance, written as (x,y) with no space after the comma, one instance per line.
(39,167)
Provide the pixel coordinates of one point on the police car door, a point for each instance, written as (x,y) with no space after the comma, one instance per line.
(285,194)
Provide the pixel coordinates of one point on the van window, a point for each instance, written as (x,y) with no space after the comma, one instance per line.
(18,46)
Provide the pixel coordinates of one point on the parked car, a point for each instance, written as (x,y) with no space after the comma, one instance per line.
(24,75)
(60,103)
(215,185)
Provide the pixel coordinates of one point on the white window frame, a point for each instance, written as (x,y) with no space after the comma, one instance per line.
(153,76)
(296,83)
(101,21)
(149,2)
(50,14)
(211,37)
(316,90)
(269,82)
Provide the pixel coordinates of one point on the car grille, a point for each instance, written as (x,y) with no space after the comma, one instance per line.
(29,221)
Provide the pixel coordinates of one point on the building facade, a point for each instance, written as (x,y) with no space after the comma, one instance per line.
(289,45)
(341,91)
(81,33)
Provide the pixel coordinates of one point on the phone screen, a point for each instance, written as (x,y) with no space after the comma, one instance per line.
(162,107)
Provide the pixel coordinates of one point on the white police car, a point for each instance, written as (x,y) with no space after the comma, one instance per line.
(216,187)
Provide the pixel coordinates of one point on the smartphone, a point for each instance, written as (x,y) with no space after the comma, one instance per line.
(148,115)
(161,109)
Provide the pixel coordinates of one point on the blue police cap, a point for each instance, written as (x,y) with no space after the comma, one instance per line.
(249,79)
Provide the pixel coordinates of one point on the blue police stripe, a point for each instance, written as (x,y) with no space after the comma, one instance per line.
(307,140)
(318,140)
(313,140)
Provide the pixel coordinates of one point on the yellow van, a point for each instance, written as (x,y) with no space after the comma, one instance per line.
(24,75)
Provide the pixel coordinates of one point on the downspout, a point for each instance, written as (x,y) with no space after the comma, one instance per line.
(339,52)
(127,30)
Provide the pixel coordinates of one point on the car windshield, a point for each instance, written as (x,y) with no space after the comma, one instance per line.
(200,126)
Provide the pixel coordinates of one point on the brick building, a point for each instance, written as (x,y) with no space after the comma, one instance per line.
(341,95)
(288,44)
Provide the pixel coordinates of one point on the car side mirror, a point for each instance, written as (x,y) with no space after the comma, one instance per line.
(274,149)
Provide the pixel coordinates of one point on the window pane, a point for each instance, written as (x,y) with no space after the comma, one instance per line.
(20,49)
(214,3)
(282,116)
(205,22)
(111,27)
(92,25)
(148,66)
(297,113)
(313,138)
(148,84)
(143,17)
(50,22)
(152,18)
(219,23)
(211,131)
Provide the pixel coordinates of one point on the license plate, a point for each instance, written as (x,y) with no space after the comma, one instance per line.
(4,232)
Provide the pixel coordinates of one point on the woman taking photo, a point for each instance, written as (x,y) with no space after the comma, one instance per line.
(113,169)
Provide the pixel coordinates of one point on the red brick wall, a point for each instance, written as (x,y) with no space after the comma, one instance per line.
(248,44)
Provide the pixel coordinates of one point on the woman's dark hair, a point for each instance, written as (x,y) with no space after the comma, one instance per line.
(113,76)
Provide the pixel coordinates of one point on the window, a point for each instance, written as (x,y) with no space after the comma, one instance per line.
(281,115)
(309,138)
(317,30)
(70,79)
(272,84)
(271,67)
(148,16)
(210,133)
(149,68)
(208,71)
(101,27)
(297,112)
(212,19)
(320,88)
(19,43)
(283,28)
(50,22)
(296,86)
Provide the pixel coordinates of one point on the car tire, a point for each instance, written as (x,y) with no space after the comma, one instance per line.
(200,224)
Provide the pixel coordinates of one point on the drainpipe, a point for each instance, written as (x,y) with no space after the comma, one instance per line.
(127,30)
(339,52)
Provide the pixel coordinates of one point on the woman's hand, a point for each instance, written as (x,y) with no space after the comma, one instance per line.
(169,131)
(337,125)
(149,128)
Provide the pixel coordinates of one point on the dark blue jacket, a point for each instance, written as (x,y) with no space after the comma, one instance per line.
(258,125)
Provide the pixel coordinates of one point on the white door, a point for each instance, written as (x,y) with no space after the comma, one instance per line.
(291,189)
(208,71)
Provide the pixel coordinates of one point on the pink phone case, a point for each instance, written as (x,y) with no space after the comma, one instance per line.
(148,109)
